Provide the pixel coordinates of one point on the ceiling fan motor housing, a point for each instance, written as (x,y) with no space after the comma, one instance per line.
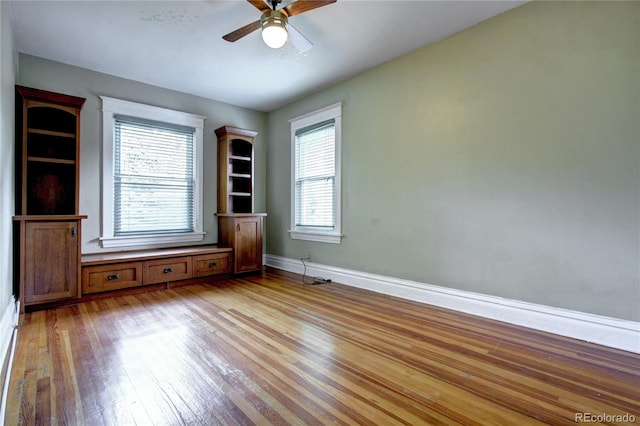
(273,17)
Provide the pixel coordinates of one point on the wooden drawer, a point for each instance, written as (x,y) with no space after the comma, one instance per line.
(165,270)
(111,277)
(211,264)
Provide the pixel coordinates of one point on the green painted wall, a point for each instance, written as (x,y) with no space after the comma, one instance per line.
(58,77)
(502,160)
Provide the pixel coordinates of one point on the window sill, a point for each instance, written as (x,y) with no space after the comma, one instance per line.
(320,237)
(138,240)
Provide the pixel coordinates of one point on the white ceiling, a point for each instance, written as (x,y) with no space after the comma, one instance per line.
(178,44)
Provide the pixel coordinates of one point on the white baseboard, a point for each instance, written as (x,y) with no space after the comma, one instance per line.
(612,332)
(8,322)
(8,335)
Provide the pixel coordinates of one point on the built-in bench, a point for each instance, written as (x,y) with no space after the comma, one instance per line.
(103,272)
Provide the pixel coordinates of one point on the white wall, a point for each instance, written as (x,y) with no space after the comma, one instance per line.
(8,66)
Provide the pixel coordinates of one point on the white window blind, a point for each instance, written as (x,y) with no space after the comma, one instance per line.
(315,179)
(153,178)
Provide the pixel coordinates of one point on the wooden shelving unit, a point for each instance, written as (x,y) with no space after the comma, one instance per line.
(239,226)
(47,223)
(235,169)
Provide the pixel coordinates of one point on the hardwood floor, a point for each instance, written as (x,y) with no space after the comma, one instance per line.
(267,349)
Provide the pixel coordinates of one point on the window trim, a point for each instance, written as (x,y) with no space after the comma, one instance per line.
(112,107)
(331,112)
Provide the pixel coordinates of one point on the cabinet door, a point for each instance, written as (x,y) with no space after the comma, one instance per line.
(51,261)
(248,244)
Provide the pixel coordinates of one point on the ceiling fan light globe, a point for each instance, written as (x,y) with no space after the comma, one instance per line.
(274,29)
(274,37)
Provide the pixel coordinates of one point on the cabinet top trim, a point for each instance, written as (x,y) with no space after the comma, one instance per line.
(230,130)
(239,214)
(46,96)
(48,217)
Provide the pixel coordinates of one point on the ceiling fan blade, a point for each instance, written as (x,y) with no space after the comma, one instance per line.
(302,6)
(241,32)
(299,41)
(260,5)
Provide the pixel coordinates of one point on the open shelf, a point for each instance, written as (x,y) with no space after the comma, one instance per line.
(47,153)
(235,170)
(52,118)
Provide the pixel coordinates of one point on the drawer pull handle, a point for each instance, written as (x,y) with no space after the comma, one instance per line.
(213,264)
(112,277)
(168,270)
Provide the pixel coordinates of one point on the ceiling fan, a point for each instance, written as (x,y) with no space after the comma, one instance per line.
(275,23)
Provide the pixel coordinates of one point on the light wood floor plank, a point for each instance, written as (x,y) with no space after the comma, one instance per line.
(267,349)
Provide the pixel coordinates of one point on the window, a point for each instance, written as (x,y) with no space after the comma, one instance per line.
(152,175)
(315,197)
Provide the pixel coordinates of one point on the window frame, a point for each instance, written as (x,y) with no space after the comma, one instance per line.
(111,108)
(334,236)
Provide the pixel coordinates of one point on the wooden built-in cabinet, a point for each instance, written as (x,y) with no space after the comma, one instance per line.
(47,223)
(51,259)
(120,270)
(239,227)
(243,232)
